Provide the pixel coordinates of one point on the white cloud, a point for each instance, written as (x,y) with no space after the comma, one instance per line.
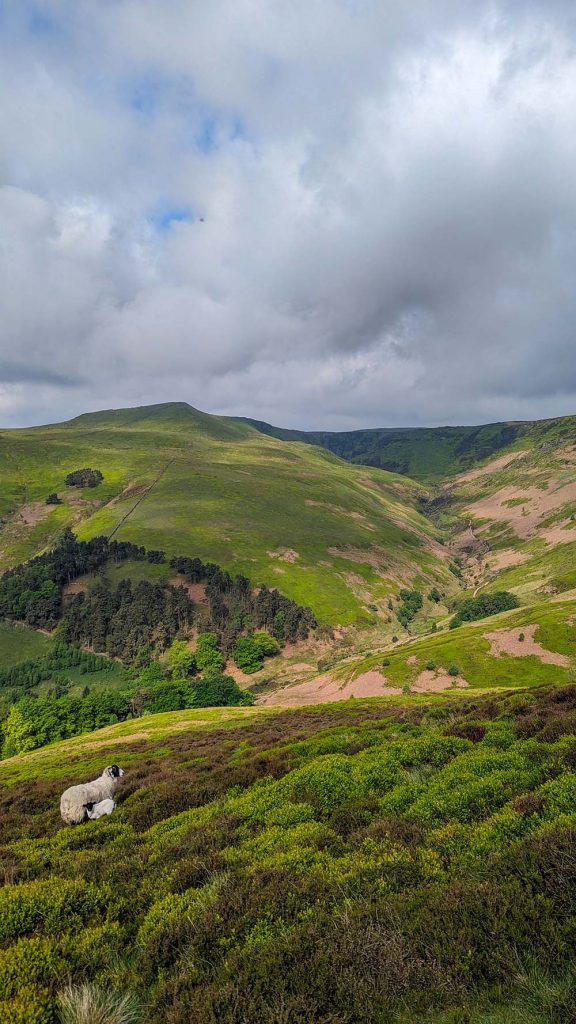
(387,195)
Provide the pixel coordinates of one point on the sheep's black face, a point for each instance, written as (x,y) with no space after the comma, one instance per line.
(115,771)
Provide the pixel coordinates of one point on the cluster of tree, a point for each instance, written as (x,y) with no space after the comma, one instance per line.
(135,622)
(412,602)
(32,592)
(235,608)
(34,720)
(485,604)
(84,478)
(21,680)
(129,621)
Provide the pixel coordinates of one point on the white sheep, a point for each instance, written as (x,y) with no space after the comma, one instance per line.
(78,803)
(99,810)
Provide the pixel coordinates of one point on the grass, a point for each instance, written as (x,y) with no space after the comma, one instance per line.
(18,643)
(194,484)
(467,648)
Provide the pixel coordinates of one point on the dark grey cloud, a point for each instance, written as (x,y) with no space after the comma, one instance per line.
(331,213)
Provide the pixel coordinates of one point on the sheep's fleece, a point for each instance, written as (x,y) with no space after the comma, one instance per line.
(79,803)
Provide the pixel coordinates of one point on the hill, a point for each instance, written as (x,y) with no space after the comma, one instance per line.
(336,537)
(429,454)
(374,861)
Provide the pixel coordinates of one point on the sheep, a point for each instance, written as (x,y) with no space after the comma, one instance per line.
(99,810)
(79,802)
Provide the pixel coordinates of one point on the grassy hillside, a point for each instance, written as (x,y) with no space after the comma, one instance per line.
(389,861)
(339,538)
(429,453)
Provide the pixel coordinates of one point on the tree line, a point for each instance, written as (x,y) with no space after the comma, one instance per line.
(136,621)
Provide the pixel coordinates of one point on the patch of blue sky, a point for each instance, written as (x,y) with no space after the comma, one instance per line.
(166,215)
(218,130)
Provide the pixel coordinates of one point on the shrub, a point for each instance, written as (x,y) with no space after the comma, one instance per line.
(33,961)
(412,602)
(30,1006)
(47,903)
(156,557)
(482,606)
(453,670)
(250,650)
(84,478)
(219,691)
(385,662)
(430,665)
(53,499)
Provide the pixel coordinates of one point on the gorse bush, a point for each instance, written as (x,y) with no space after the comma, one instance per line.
(358,864)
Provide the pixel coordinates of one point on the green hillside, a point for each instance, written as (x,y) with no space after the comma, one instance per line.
(385,861)
(337,537)
(429,453)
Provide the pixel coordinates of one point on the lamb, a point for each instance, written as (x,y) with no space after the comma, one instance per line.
(99,810)
(79,803)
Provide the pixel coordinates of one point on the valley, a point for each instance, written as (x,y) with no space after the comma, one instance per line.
(341,538)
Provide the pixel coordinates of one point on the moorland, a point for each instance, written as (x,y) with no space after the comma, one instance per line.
(338,671)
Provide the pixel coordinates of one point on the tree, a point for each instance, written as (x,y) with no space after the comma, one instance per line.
(180,659)
(209,659)
(219,691)
(84,478)
(18,733)
(250,650)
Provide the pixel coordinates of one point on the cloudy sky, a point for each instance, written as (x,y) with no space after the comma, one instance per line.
(323,213)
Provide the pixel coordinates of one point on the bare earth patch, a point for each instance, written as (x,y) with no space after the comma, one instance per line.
(523,518)
(505,641)
(434,681)
(284,555)
(196,591)
(34,513)
(412,660)
(76,587)
(506,559)
(491,467)
(325,690)
(132,491)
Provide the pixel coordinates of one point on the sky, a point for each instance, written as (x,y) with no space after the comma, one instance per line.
(321,213)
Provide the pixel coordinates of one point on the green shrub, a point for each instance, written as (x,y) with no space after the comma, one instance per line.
(326,782)
(48,904)
(430,666)
(32,961)
(250,650)
(30,1006)
(482,606)
(217,691)
(453,670)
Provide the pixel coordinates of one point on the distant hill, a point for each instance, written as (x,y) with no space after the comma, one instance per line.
(337,537)
(427,453)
